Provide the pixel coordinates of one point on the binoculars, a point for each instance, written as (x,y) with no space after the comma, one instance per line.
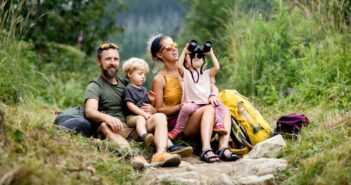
(195,49)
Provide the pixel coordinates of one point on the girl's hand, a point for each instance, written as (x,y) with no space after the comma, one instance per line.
(214,101)
(209,53)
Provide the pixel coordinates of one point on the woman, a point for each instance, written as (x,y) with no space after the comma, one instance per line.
(167,89)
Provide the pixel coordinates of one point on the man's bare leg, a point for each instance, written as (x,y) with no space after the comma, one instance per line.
(114,137)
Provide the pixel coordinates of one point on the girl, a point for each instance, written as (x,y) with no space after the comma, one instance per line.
(197,87)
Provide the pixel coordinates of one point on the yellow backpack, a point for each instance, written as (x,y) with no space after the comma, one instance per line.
(248,125)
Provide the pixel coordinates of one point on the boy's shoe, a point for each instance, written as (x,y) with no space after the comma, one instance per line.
(180,150)
(147,138)
(173,134)
(138,162)
(219,129)
(165,159)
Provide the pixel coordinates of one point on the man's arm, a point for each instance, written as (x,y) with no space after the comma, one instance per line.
(92,113)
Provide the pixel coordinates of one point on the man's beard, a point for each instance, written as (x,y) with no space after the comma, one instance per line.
(109,74)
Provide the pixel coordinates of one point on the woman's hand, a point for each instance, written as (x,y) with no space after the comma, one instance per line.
(152,96)
(179,106)
(148,108)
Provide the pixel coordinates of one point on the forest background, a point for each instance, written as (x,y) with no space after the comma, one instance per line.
(285,55)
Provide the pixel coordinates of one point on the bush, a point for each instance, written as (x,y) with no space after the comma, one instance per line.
(294,51)
(15,71)
(69,22)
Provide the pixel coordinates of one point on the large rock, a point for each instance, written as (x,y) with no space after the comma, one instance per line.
(268,148)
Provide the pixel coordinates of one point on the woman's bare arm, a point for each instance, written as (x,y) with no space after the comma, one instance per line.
(181,61)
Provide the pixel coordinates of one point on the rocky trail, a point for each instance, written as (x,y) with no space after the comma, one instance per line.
(257,167)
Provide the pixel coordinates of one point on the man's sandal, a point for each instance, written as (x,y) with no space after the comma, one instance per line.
(209,159)
(223,157)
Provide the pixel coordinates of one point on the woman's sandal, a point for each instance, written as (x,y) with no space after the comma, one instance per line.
(209,159)
(223,157)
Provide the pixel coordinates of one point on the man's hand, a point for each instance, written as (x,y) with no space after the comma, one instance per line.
(214,101)
(148,108)
(115,124)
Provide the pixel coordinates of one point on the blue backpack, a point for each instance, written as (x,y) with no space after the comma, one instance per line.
(75,112)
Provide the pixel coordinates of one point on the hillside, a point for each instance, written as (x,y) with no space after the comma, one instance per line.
(286,56)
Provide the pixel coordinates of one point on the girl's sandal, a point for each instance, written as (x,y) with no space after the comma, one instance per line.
(209,159)
(223,157)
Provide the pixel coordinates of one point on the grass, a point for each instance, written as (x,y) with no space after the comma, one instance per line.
(322,152)
(34,152)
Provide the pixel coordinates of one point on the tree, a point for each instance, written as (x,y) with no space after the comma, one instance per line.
(71,22)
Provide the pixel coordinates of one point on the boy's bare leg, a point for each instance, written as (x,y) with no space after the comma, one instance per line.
(140,125)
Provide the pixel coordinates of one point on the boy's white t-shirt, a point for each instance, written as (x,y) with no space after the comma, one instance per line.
(199,92)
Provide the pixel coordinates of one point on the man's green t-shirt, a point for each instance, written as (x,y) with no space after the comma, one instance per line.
(109,96)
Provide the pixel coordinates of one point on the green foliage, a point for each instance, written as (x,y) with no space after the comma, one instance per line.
(23,75)
(12,20)
(15,71)
(57,76)
(290,56)
(13,58)
(273,49)
(66,75)
(64,21)
(207,20)
(290,52)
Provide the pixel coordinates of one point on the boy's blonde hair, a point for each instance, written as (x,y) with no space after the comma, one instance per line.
(134,63)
